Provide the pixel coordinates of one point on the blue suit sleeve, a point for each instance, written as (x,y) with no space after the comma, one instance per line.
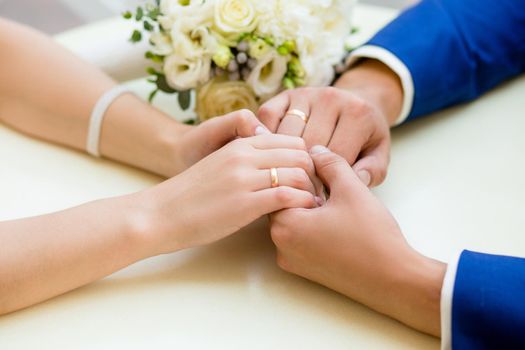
(488,305)
(456,50)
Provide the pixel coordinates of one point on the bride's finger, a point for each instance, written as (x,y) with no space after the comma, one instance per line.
(288,158)
(271,141)
(274,199)
(290,177)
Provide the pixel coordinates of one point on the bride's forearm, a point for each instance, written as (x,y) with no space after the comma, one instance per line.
(49,255)
(49,93)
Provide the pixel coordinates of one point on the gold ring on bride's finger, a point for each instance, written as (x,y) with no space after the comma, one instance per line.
(274,177)
(299,114)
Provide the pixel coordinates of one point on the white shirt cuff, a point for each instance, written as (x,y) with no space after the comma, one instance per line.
(447,293)
(398,67)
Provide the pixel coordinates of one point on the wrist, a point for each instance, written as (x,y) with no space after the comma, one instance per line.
(417,285)
(139,135)
(377,83)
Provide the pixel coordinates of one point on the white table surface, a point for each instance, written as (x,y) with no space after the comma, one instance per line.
(457,180)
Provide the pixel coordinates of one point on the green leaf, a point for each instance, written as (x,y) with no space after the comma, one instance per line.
(152,71)
(153,13)
(148,26)
(139,14)
(184,98)
(152,95)
(136,36)
(163,86)
(127,15)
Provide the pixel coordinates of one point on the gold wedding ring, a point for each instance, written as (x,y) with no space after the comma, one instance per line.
(274,177)
(299,114)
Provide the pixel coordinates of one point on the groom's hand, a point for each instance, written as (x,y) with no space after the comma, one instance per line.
(352,118)
(353,245)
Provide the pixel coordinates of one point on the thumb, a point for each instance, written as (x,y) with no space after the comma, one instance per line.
(334,170)
(372,167)
(242,123)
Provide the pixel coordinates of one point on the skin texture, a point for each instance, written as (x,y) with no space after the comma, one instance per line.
(352,118)
(48,93)
(51,254)
(353,245)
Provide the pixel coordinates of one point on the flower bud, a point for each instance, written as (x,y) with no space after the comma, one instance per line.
(258,48)
(222,56)
(288,83)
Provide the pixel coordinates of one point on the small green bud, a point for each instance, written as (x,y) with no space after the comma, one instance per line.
(127,15)
(299,81)
(288,83)
(282,50)
(290,45)
(296,68)
(258,48)
(222,56)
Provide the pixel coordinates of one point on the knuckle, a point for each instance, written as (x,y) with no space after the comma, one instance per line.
(265,113)
(304,160)
(244,116)
(299,179)
(283,195)
(331,93)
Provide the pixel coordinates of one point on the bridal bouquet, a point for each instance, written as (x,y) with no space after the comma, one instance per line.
(238,53)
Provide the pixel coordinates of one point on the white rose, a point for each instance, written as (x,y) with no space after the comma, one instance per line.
(266,78)
(161,44)
(235,16)
(185,17)
(183,73)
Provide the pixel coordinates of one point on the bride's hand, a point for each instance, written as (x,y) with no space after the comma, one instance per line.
(226,191)
(195,143)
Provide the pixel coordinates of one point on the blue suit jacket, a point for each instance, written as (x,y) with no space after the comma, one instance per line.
(456,50)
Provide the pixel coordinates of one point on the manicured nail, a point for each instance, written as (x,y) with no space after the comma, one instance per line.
(319,201)
(364,176)
(261,130)
(319,149)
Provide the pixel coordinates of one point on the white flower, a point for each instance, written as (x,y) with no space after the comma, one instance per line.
(219,97)
(183,73)
(266,78)
(161,44)
(186,17)
(235,16)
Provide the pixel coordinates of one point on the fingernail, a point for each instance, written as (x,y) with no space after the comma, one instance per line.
(364,176)
(261,130)
(319,149)
(319,201)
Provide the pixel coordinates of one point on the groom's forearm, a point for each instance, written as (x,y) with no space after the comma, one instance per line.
(49,93)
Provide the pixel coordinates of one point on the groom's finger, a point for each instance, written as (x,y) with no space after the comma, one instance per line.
(333,170)
(271,112)
(372,167)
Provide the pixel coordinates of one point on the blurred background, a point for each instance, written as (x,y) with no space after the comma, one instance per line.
(54,16)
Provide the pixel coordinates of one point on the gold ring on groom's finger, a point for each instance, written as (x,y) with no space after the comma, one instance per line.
(299,114)
(274,177)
